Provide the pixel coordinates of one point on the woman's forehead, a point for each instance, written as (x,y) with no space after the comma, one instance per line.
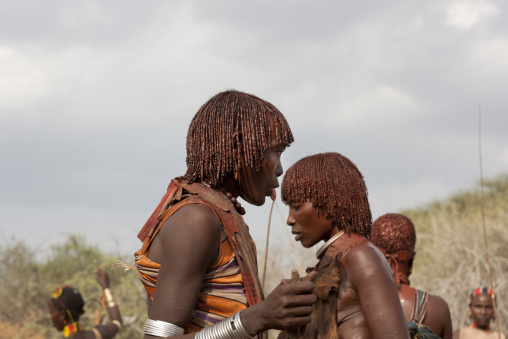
(482,297)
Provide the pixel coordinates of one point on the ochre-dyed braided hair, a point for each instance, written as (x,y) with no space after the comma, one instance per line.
(334,186)
(228,119)
(478,291)
(395,234)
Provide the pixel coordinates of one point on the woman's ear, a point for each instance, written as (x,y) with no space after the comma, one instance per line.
(410,263)
(62,317)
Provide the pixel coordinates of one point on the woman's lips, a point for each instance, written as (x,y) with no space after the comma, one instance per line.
(273,194)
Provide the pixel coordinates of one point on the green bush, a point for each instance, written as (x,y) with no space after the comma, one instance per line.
(30,282)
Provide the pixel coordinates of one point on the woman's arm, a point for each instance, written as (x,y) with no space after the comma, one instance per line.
(187,244)
(190,242)
(110,330)
(372,278)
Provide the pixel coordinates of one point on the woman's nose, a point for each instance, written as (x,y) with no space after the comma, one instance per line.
(279,171)
(291,221)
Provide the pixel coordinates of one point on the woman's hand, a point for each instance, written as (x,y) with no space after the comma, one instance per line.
(288,306)
(102,278)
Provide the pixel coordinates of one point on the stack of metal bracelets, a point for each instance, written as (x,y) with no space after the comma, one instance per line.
(230,328)
(159,328)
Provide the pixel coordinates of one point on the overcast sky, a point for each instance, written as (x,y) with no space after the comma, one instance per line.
(96,98)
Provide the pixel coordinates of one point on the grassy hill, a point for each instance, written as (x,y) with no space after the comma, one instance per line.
(451,257)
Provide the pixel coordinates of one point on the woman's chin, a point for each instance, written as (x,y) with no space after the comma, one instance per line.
(306,244)
(257,201)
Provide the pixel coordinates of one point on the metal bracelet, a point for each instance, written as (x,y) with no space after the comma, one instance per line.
(110,300)
(230,328)
(118,324)
(159,328)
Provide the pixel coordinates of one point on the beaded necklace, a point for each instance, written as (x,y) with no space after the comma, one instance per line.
(475,325)
(231,198)
(72,328)
(234,201)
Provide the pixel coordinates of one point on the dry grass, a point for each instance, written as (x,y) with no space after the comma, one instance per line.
(451,257)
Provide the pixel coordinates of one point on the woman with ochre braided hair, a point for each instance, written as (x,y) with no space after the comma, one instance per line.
(481,306)
(357,297)
(66,306)
(394,234)
(198,260)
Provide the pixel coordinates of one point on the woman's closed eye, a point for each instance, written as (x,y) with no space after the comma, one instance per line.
(296,206)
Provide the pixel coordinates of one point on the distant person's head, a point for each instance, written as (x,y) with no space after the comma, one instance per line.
(481,305)
(395,235)
(65,306)
(330,188)
(238,135)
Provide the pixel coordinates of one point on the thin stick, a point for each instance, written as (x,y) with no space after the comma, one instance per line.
(266,247)
(483,219)
(302,272)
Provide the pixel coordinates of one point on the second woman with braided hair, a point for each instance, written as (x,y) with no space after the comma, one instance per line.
(357,297)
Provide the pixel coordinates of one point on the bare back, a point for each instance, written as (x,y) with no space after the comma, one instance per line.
(437,316)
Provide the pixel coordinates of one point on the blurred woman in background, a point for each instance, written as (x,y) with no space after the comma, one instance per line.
(66,306)
(481,306)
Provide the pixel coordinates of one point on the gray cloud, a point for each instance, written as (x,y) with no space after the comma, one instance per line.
(96,99)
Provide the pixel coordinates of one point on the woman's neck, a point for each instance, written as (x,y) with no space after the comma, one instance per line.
(481,327)
(231,186)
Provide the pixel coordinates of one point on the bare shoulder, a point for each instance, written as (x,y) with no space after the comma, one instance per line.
(198,219)
(365,256)
(438,317)
(436,304)
(364,262)
(191,225)
(438,311)
(371,280)
(456,334)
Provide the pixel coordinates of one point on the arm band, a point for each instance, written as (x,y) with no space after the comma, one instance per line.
(96,333)
(110,300)
(230,328)
(118,324)
(159,328)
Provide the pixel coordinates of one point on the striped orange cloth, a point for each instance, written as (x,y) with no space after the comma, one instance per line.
(223,292)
